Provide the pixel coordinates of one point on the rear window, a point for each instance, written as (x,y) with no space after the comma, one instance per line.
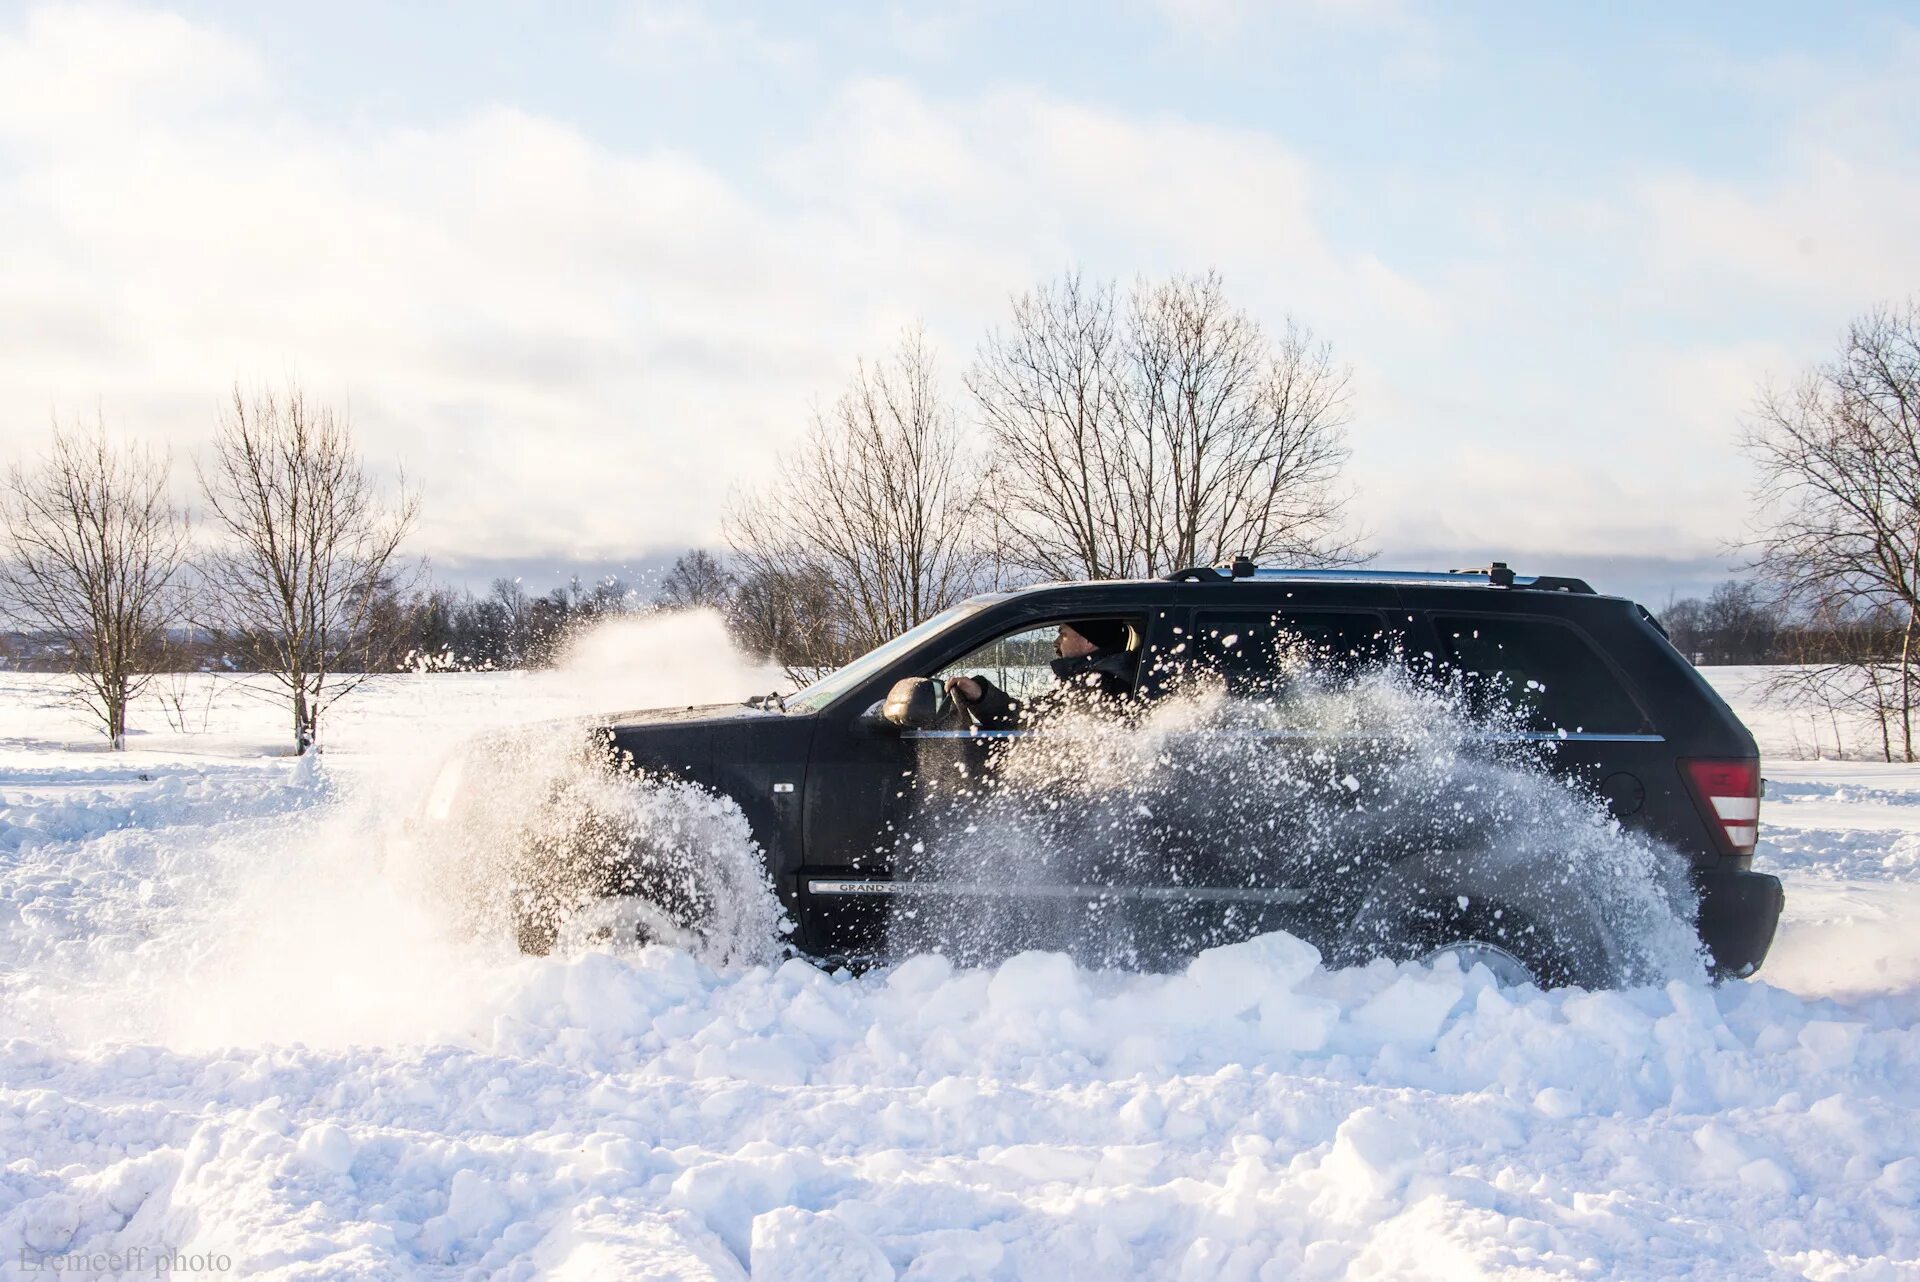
(1544,671)
(1260,652)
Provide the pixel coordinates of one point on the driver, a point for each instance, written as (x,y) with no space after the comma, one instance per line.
(1092,662)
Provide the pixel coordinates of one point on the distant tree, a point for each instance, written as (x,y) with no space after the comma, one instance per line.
(430,632)
(550,621)
(296,584)
(499,626)
(1738,622)
(1685,624)
(94,558)
(696,581)
(874,514)
(1741,622)
(1838,502)
(1172,430)
(608,598)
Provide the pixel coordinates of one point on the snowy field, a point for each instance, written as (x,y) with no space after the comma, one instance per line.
(232,1027)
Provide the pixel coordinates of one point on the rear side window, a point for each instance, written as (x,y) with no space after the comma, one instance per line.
(1545,672)
(1261,653)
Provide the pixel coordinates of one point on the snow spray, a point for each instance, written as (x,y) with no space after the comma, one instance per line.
(1140,836)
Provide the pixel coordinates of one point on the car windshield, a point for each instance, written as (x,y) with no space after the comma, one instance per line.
(840,680)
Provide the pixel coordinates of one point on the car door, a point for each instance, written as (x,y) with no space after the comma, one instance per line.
(953,837)
(1271,773)
(996,851)
(1545,680)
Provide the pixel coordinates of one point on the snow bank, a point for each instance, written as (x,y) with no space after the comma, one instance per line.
(1255,1112)
(231,1024)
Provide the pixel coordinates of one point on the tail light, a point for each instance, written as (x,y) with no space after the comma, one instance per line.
(1728,794)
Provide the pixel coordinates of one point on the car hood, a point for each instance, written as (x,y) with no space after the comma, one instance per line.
(696,743)
(716,714)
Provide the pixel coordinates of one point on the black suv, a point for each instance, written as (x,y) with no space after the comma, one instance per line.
(848,782)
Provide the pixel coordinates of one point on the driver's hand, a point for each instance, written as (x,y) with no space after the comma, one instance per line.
(964,689)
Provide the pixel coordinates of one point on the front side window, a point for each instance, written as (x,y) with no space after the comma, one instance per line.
(1022,663)
(1542,672)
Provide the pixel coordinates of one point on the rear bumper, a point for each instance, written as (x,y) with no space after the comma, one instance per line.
(1739,911)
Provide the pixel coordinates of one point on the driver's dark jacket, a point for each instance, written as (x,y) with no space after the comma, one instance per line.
(1088,680)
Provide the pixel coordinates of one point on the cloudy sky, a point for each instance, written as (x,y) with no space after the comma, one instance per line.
(582,269)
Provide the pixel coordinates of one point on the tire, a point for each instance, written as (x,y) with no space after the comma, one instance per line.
(1512,945)
(575,912)
(583,880)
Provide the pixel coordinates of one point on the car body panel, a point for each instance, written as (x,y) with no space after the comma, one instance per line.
(834,794)
(756,757)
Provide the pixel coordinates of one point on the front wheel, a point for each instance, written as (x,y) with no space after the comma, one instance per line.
(585,906)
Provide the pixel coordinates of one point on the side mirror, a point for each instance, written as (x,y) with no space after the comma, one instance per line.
(912,704)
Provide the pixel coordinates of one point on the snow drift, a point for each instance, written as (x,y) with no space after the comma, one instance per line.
(228,1024)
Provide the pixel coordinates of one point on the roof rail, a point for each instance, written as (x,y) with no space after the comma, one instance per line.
(1242,568)
(1558,583)
(1497,575)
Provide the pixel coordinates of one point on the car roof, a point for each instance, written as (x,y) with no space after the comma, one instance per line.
(1495,580)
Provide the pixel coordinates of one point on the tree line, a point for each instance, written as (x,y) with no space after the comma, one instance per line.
(1100,432)
(1097,432)
(1748,621)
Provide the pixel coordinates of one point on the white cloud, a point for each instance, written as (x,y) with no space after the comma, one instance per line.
(1831,223)
(1043,183)
(686,36)
(577,349)
(70,65)
(1835,231)
(1224,19)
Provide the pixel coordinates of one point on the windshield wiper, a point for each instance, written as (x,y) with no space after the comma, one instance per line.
(775,701)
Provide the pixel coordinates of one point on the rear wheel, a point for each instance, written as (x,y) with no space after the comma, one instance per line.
(1512,946)
(1507,969)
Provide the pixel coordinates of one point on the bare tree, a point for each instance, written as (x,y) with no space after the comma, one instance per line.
(94,558)
(1838,453)
(310,553)
(1050,389)
(1171,432)
(501,625)
(696,581)
(1841,666)
(875,509)
(794,619)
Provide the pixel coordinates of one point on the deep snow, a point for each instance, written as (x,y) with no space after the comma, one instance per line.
(234,1022)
